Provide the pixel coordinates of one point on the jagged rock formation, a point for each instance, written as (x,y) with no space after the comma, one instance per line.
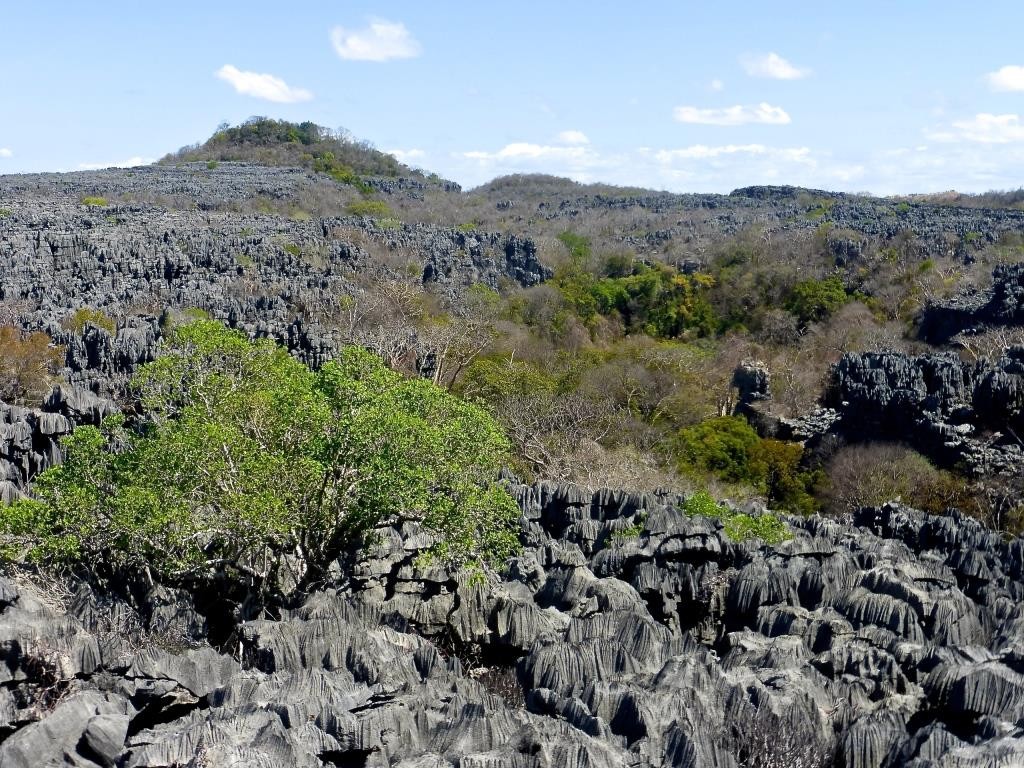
(261,273)
(956,412)
(1002,304)
(894,641)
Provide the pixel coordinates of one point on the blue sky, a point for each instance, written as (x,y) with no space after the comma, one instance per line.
(887,97)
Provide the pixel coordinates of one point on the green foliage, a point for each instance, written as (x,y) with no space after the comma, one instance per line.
(738,526)
(292,249)
(88,315)
(814,300)
(250,457)
(327,163)
(212,165)
(4,213)
(656,300)
(633,530)
(369,208)
(703,504)
(729,448)
(281,143)
(578,245)
(94,202)
(767,527)
(821,209)
(723,446)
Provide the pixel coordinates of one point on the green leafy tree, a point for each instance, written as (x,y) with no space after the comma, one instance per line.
(728,447)
(251,463)
(814,300)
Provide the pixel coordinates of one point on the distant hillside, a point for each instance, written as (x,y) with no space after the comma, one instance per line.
(1011,198)
(265,141)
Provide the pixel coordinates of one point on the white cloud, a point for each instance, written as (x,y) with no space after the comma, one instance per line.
(381,41)
(262,86)
(737,115)
(983,129)
(716,85)
(407,155)
(131,162)
(772,66)
(1009,78)
(5,152)
(524,150)
(573,137)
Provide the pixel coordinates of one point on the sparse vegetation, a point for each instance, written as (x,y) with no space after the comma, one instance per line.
(94,201)
(89,316)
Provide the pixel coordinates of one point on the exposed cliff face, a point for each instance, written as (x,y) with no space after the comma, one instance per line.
(894,641)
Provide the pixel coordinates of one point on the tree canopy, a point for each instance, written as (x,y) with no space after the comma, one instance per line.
(248,461)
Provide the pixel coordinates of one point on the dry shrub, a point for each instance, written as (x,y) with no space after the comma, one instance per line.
(28,366)
(871,474)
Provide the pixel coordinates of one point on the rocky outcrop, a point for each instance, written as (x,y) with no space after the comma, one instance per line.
(972,311)
(956,412)
(893,640)
(260,272)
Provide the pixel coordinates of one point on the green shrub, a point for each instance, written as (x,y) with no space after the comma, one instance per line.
(94,202)
(578,245)
(766,527)
(4,213)
(250,458)
(658,300)
(88,315)
(292,249)
(723,446)
(369,209)
(211,164)
(703,504)
(814,300)
(729,448)
(738,526)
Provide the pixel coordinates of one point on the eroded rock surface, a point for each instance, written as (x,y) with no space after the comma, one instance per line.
(892,641)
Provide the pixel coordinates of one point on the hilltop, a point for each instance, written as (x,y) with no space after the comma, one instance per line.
(279,143)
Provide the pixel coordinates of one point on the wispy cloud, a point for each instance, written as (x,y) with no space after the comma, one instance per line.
(131,162)
(704,152)
(262,86)
(1008,78)
(716,85)
(380,41)
(526,151)
(407,155)
(772,66)
(738,115)
(573,137)
(5,152)
(983,128)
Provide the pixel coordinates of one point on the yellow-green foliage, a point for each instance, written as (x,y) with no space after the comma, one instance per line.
(94,202)
(374,209)
(738,526)
(88,315)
